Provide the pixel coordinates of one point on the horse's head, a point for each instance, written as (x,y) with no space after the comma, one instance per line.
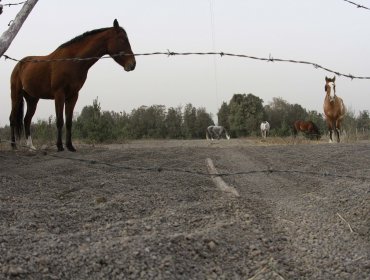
(119,47)
(330,88)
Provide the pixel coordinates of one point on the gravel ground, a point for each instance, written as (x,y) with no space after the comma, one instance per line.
(148,210)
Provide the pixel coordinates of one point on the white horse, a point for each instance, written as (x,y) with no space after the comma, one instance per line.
(216,131)
(265,128)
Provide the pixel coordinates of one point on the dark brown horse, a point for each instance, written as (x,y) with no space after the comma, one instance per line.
(309,128)
(334,108)
(60,76)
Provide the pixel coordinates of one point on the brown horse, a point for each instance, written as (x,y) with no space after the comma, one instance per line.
(60,76)
(334,108)
(307,127)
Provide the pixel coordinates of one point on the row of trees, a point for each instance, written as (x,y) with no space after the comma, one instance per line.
(241,117)
(145,122)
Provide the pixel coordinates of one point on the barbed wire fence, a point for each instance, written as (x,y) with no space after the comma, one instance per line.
(357,5)
(350,2)
(9,5)
(169,53)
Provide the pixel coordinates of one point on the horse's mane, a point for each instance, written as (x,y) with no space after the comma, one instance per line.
(82,36)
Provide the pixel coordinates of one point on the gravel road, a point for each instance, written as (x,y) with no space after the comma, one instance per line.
(150,210)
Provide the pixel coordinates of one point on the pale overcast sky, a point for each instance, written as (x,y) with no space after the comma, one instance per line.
(332,33)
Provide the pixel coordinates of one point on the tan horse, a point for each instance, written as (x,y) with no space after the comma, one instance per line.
(334,108)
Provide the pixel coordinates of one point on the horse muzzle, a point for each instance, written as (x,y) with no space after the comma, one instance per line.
(130,66)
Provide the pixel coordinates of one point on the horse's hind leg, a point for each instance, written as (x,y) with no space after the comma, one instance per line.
(31,109)
(59,107)
(16,115)
(12,138)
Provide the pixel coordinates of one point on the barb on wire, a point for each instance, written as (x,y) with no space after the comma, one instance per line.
(357,5)
(222,54)
(14,4)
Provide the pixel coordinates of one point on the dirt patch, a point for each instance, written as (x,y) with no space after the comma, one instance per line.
(149,210)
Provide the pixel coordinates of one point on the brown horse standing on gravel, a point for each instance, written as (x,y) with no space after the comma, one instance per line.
(60,76)
(307,127)
(334,108)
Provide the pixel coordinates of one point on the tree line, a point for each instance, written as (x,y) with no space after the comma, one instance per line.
(241,116)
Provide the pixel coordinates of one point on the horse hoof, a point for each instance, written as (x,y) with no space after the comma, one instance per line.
(71,148)
(60,149)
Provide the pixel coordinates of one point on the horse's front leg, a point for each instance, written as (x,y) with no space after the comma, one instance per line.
(337,132)
(331,127)
(337,128)
(70,105)
(330,135)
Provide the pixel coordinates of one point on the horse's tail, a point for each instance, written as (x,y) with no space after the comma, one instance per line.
(17,93)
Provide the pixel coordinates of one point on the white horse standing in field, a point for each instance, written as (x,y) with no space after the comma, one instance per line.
(265,128)
(216,131)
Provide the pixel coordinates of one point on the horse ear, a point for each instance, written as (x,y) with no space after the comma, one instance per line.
(115,23)
(334,79)
(326,79)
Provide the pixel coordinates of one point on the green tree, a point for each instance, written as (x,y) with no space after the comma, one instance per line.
(203,120)
(190,116)
(122,120)
(349,122)
(319,120)
(155,120)
(137,126)
(44,130)
(363,122)
(174,123)
(148,122)
(87,123)
(282,116)
(223,116)
(245,114)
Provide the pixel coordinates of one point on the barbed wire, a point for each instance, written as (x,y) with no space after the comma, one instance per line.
(170,53)
(158,169)
(357,5)
(9,4)
(13,4)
